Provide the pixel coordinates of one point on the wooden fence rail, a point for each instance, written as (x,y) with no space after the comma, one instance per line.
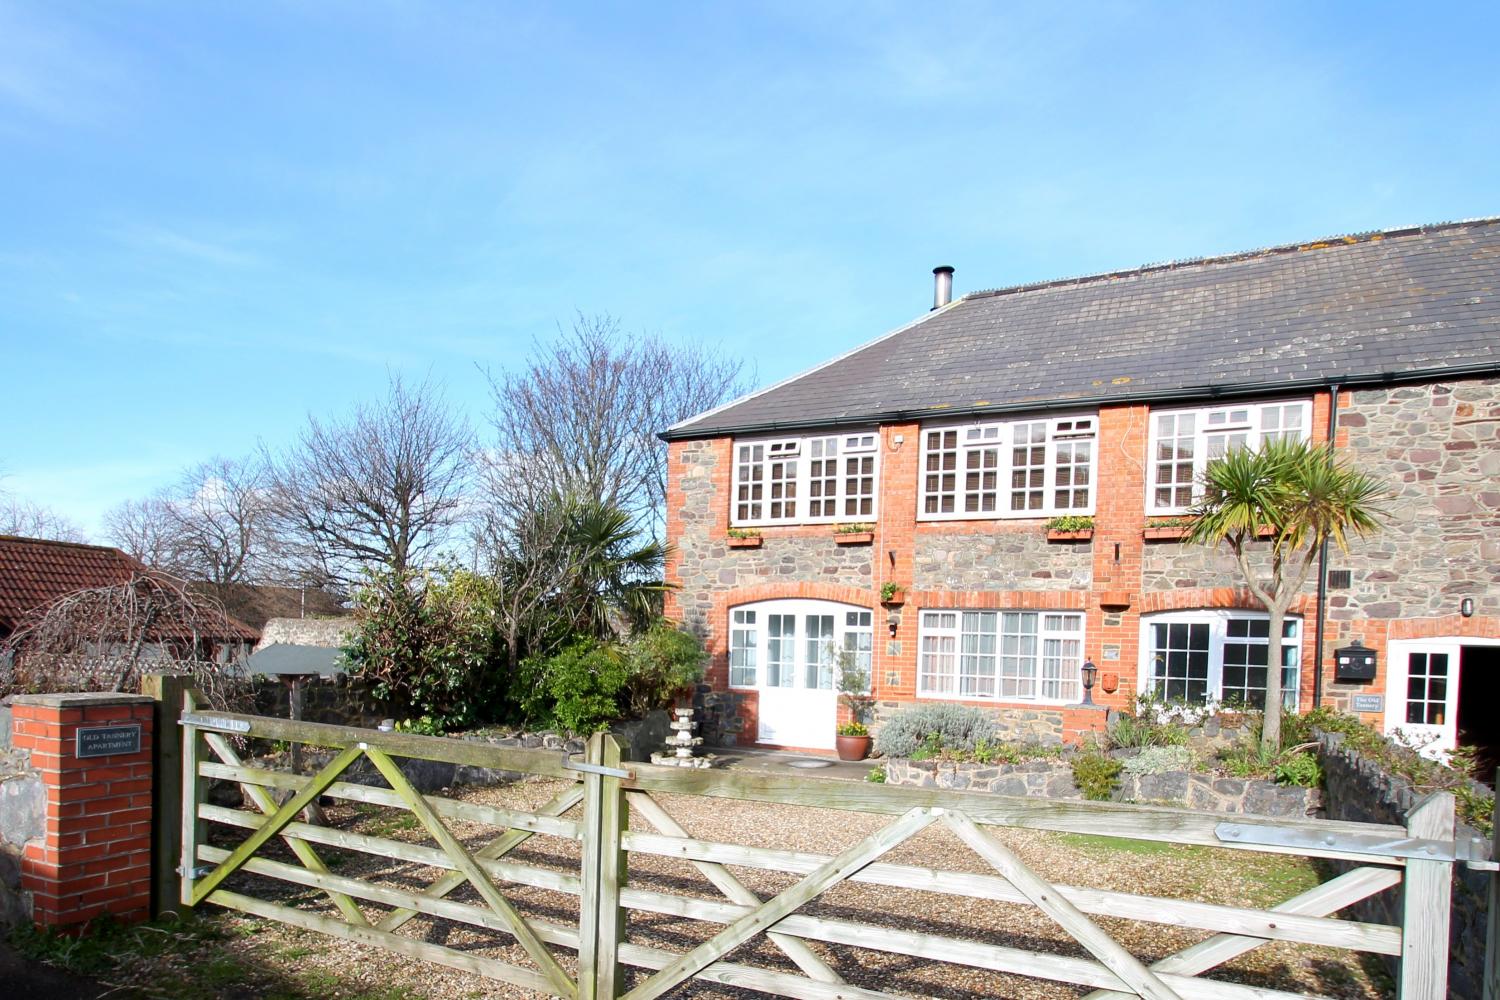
(588,959)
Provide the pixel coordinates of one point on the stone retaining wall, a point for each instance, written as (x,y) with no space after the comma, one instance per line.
(1053,779)
(1359,789)
(23,820)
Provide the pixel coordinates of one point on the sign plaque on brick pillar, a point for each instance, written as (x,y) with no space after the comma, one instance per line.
(93,752)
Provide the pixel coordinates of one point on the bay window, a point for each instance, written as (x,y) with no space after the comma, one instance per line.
(1018,468)
(1000,655)
(1216,656)
(1183,442)
(805,480)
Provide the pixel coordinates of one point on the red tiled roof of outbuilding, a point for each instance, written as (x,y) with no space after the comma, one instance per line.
(34,572)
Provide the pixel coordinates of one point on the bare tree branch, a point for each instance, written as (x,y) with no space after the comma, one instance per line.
(381,487)
(582,419)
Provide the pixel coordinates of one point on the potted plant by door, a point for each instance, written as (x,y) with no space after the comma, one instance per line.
(852,741)
(852,738)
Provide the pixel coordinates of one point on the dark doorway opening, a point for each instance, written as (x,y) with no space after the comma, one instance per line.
(1478,691)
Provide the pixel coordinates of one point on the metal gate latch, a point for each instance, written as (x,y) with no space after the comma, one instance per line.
(611,772)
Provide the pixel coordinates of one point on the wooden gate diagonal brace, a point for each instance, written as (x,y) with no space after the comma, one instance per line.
(451,846)
(493,851)
(276,823)
(782,904)
(1141,980)
(1321,901)
(301,848)
(734,890)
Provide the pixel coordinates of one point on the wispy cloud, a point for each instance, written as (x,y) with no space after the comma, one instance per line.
(54,72)
(219,251)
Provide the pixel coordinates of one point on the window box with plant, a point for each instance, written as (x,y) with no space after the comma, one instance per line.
(1167,529)
(852,738)
(744,538)
(892,593)
(854,534)
(1070,528)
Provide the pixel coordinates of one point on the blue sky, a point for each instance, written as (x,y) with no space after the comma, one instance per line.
(215,218)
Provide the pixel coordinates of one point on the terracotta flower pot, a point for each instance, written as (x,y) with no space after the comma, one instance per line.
(852,747)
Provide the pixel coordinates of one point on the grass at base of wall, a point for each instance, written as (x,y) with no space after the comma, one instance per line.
(209,957)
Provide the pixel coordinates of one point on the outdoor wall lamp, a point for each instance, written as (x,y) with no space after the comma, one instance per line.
(1466,607)
(893,619)
(1090,673)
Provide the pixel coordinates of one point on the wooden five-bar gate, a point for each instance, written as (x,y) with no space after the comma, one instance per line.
(589,958)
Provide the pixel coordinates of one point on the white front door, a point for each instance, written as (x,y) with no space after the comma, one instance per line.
(1421,703)
(789,652)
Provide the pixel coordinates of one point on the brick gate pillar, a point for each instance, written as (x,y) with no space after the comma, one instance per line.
(93,752)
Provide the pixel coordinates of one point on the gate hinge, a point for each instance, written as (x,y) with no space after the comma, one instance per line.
(201,871)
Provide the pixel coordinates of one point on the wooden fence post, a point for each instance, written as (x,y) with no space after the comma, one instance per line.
(169,690)
(1492,917)
(1426,904)
(601,921)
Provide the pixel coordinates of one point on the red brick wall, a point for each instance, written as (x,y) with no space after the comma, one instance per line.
(96,855)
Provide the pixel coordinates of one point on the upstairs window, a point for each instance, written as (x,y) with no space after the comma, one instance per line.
(1022,468)
(805,480)
(1183,442)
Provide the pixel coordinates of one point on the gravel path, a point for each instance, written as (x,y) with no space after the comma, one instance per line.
(1205,874)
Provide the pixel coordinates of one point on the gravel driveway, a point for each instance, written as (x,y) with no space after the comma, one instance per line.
(1229,877)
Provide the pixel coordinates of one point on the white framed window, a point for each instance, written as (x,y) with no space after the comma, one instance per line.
(805,480)
(1183,442)
(1214,656)
(1018,468)
(744,648)
(1000,655)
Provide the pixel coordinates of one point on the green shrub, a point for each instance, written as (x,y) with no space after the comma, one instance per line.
(1071,522)
(663,663)
(1096,775)
(935,727)
(430,644)
(876,775)
(583,684)
(1137,731)
(1159,760)
(1301,769)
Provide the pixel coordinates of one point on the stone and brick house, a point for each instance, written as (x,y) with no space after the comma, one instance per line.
(934,457)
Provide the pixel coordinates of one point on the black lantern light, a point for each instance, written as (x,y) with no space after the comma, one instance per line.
(1090,674)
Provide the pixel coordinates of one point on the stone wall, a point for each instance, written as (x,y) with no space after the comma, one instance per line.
(1438,448)
(23,820)
(338,700)
(999,557)
(1053,779)
(1359,789)
(721,717)
(328,633)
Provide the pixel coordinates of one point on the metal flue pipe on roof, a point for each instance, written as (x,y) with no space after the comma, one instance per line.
(942,286)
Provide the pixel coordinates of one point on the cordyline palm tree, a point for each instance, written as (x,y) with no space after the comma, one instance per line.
(1301,495)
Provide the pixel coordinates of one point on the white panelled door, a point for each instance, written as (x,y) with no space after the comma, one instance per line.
(788,651)
(1421,699)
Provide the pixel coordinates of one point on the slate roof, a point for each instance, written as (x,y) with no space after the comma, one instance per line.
(286,660)
(34,572)
(1378,307)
